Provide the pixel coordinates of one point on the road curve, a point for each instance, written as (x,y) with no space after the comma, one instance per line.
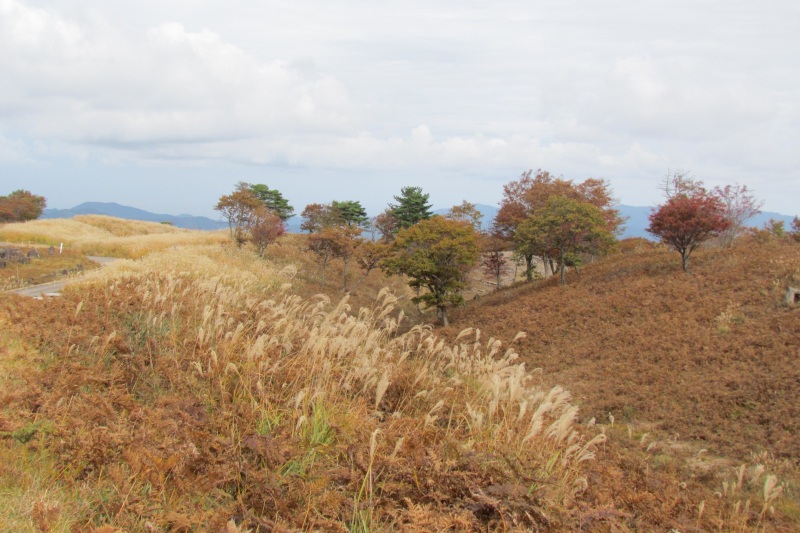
(54,288)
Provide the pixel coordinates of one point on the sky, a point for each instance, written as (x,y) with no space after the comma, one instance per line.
(165,105)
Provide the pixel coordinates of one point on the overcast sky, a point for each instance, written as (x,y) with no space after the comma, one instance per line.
(165,105)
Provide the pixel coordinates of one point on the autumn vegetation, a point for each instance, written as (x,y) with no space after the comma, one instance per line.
(20,206)
(196,389)
(253,380)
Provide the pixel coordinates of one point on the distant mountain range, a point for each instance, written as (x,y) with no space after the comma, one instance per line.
(636,220)
(131,213)
(636,217)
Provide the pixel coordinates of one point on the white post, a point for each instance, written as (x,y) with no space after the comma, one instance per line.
(61,248)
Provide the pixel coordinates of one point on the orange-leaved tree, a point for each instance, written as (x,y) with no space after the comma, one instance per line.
(21,206)
(435,254)
(239,208)
(250,218)
(687,220)
(318,216)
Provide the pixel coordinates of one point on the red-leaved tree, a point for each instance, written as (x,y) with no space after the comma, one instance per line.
(266,228)
(686,221)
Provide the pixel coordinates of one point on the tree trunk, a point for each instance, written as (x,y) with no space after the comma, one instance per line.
(528,268)
(344,274)
(685,261)
(443,312)
(563,268)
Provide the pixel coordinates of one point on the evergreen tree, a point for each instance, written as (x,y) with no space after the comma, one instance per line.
(412,207)
(273,200)
(351,212)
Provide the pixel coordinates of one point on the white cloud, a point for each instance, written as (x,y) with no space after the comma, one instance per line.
(174,85)
(423,88)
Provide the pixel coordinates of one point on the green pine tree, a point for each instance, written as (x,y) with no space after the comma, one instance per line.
(412,207)
(273,200)
(351,212)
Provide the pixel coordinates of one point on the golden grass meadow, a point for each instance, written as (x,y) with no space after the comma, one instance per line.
(193,386)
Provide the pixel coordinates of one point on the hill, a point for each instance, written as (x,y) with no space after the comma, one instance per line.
(700,361)
(201,388)
(196,386)
(701,354)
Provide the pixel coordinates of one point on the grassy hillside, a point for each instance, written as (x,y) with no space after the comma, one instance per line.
(196,387)
(705,361)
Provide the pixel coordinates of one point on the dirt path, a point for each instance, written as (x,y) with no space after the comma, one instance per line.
(54,288)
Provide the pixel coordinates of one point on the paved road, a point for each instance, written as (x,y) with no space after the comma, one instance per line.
(54,288)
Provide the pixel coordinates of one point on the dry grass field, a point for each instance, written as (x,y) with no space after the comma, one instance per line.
(704,368)
(106,236)
(196,387)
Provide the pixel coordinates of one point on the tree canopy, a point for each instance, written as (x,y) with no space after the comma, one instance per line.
(531,192)
(21,206)
(318,216)
(436,254)
(338,213)
(351,213)
(238,209)
(466,212)
(412,206)
(386,224)
(687,220)
(249,218)
(267,226)
(272,200)
(564,227)
(739,205)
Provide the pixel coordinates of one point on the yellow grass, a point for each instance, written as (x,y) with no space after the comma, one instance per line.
(107,236)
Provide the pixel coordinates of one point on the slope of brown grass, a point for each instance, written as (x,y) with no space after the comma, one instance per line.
(711,355)
(200,388)
(707,360)
(197,391)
